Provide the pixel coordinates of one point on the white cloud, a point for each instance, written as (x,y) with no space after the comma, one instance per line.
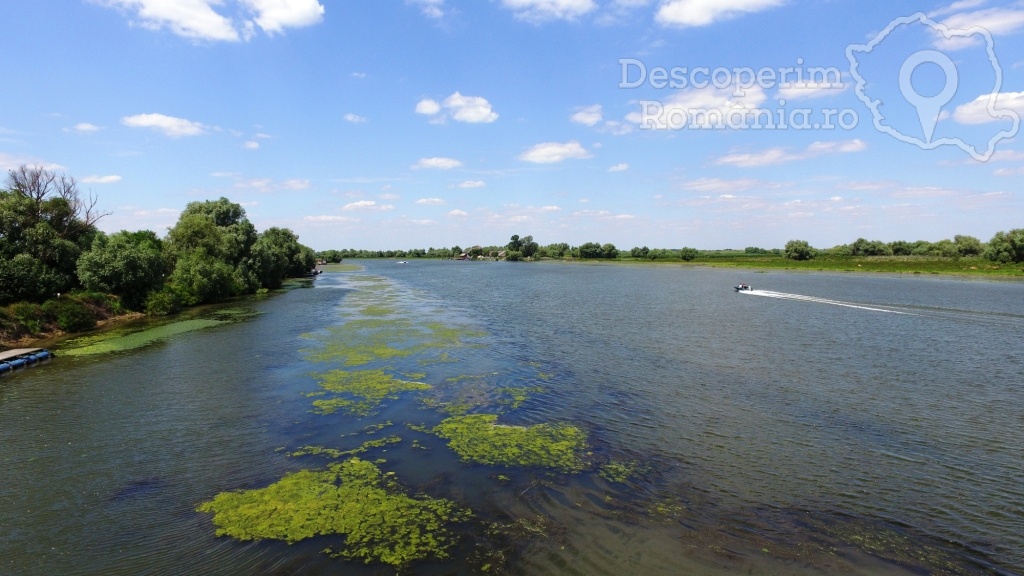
(587,115)
(458,213)
(273,16)
(329,218)
(428,107)
(199,20)
(86,127)
(469,109)
(430,8)
(704,108)
(169,125)
(549,208)
(718,186)
(997,21)
(430,201)
(355,118)
(439,163)
(778,155)
(251,145)
(543,10)
(101,179)
(705,12)
(976,111)
(267,185)
(552,152)
(473,184)
(368,205)
(619,167)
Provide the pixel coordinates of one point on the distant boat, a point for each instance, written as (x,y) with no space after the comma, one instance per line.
(403,261)
(743,288)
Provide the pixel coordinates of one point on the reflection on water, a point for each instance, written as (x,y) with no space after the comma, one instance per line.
(775,435)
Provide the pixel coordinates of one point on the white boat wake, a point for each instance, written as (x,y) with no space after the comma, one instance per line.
(785,296)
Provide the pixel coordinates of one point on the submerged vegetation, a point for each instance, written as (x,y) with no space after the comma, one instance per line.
(362,392)
(376,520)
(479,438)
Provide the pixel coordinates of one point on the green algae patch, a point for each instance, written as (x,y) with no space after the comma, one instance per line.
(104,344)
(515,397)
(362,392)
(377,521)
(479,438)
(337,454)
(340,267)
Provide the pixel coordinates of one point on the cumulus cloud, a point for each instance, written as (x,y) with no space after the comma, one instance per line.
(355,118)
(428,107)
(458,213)
(469,109)
(619,167)
(691,13)
(85,127)
(554,152)
(169,125)
(587,115)
(977,111)
(439,163)
(472,184)
(543,10)
(430,201)
(235,20)
(101,179)
(251,145)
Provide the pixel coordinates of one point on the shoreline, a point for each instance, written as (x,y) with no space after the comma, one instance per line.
(49,337)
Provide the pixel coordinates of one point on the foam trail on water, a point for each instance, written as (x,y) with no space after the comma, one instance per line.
(785,296)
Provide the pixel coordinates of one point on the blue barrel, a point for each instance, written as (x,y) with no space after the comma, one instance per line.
(5,368)
(17,363)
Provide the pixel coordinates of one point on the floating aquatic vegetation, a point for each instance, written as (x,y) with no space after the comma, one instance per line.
(376,310)
(364,391)
(516,396)
(618,471)
(119,342)
(352,499)
(336,453)
(479,438)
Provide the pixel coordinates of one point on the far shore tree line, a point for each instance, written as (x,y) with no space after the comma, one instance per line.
(1003,248)
(57,270)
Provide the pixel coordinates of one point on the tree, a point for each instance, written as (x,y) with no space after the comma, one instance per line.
(799,250)
(515,243)
(968,245)
(688,254)
(1006,247)
(127,264)
(45,225)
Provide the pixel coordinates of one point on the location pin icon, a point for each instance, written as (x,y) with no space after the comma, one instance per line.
(928,107)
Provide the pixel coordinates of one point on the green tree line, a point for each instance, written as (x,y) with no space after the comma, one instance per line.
(57,268)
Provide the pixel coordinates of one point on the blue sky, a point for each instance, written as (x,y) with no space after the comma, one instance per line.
(416,123)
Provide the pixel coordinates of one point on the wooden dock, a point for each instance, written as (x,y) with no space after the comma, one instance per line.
(7,355)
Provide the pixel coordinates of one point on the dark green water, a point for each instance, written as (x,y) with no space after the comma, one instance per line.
(838,424)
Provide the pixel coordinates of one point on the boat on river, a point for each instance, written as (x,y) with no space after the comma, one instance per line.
(11,360)
(743,288)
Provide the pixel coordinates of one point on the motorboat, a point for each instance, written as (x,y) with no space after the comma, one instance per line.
(743,287)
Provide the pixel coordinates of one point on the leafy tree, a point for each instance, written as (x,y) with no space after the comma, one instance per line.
(515,243)
(45,225)
(127,264)
(528,247)
(688,254)
(968,245)
(200,279)
(901,248)
(1006,247)
(799,250)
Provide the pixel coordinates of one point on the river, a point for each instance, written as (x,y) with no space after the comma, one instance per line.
(822,424)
